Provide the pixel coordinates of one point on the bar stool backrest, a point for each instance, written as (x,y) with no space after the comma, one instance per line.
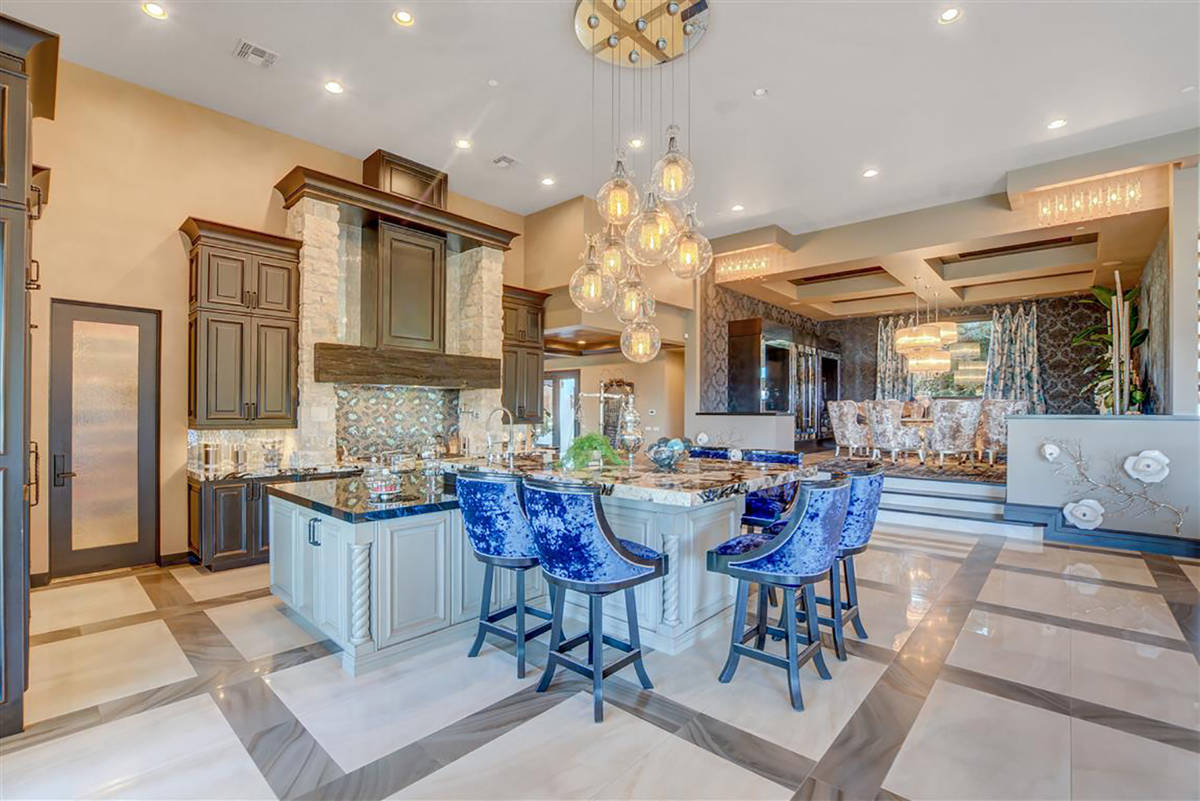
(808,544)
(866,489)
(494,514)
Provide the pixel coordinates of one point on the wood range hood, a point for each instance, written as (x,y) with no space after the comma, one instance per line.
(405,242)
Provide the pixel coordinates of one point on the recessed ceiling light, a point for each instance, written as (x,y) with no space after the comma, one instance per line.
(760,91)
(1054,125)
(492,82)
(334,88)
(547,181)
(403,18)
(870,172)
(737,207)
(637,143)
(462,144)
(950,15)
(1110,263)
(154,10)
(1191,87)
(581,342)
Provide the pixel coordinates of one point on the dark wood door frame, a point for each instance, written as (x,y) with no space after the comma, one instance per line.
(149,436)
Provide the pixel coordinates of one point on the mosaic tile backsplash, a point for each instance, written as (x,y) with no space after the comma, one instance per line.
(372,419)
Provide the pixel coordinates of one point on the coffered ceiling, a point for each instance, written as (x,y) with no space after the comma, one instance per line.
(941,111)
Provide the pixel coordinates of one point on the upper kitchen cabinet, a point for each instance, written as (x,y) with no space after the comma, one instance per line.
(522,353)
(403,288)
(405,177)
(243,289)
(235,269)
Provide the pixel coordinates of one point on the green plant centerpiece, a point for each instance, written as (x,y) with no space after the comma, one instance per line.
(580,454)
(1100,337)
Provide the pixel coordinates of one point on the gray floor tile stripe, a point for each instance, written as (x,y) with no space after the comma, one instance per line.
(1144,637)
(1182,597)
(1099,582)
(748,751)
(862,754)
(164,589)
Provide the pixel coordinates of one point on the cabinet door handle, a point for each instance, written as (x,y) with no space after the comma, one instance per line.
(316,529)
(311,520)
(253,410)
(33,275)
(37,190)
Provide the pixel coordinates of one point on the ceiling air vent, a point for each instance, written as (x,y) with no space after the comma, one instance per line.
(254,54)
(503,162)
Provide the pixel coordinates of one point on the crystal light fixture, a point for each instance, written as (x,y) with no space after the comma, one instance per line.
(674,174)
(964,349)
(612,253)
(592,289)
(947,332)
(651,235)
(640,341)
(693,253)
(1103,198)
(634,299)
(926,361)
(916,337)
(617,200)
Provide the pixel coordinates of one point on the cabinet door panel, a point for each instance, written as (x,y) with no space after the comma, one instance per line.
(225,276)
(513,317)
(412,284)
(231,521)
(274,371)
(277,286)
(509,377)
(331,585)
(533,325)
(283,519)
(530,395)
(412,592)
(223,360)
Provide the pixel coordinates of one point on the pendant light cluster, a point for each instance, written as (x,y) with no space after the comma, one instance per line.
(927,346)
(644,230)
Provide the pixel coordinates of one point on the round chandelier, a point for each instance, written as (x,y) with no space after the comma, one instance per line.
(645,226)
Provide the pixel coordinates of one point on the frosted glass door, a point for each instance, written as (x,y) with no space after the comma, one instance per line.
(103,467)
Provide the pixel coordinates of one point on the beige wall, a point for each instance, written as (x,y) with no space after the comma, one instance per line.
(659,386)
(128,165)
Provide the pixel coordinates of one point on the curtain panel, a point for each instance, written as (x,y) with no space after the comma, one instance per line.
(892,379)
(1012,368)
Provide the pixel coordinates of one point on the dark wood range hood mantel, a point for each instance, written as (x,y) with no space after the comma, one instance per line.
(354,364)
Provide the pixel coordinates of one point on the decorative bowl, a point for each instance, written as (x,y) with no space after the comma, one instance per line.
(668,454)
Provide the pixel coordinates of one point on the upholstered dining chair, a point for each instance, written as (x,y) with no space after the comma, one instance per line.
(848,433)
(953,429)
(887,432)
(993,425)
(579,552)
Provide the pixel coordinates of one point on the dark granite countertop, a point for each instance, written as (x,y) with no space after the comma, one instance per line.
(347,498)
(299,473)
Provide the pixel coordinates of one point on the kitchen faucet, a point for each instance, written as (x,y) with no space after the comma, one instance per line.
(488,428)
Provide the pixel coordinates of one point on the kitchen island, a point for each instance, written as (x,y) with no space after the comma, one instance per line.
(372,576)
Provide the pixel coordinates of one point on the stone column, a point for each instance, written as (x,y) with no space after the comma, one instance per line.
(474,327)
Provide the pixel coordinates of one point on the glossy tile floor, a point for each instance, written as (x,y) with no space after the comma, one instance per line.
(994,669)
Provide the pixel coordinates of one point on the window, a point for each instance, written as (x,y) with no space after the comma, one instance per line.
(967,367)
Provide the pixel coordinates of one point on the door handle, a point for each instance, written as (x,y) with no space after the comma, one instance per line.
(35,482)
(60,470)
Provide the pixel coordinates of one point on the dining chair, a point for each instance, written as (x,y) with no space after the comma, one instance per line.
(889,434)
(848,433)
(993,425)
(953,429)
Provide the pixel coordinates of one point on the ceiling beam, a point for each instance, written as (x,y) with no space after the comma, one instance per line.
(961,272)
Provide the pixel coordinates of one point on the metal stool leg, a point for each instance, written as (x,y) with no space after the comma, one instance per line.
(596,653)
(791,637)
(771,596)
(635,638)
(485,608)
(739,625)
(558,601)
(835,604)
(852,597)
(520,621)
(814,631)
(760,640)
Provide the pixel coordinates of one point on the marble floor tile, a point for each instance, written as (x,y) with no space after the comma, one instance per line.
(1154,682)
(1111,606)
(966,744)
(259,627)
(653,764)
(1108,765)
(756,700)
(1074,562)
(910,571)
(890,618)
(179,751)
(56,608)
(358,719)
(936,542)
(72,674)
(1191,571)
(202,584)
(1025,651)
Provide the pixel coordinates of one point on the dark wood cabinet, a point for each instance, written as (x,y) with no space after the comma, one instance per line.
(405,177)
(403,288)
(244,290)
(523,357)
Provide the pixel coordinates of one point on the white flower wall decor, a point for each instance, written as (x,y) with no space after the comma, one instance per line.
(1050,451)
(1149,467)
(1086,514)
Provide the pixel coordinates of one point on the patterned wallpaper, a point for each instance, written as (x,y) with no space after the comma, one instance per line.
(1059,319)
(371,419)
(1152,314)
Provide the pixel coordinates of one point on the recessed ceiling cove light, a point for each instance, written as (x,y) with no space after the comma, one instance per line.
(547,181)
(637,143)
(492,82)
(737,207)
(1191,87)
(403,18)
(154,10)
(870,172)
(462,144)
(334,88)
(950,15)
(760,91)
(1054,125)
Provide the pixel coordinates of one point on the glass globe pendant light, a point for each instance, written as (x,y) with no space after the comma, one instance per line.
(674,174)
(693,253)
(634,299)
(651,235)
(640,341)
(592,289)
(612,253)
(617,200)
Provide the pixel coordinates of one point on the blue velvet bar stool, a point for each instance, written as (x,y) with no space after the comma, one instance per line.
(866,489)
(580,552)
(494,518)
(795,559)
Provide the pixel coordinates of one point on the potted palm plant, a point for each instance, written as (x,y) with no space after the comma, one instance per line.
(1100,337)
